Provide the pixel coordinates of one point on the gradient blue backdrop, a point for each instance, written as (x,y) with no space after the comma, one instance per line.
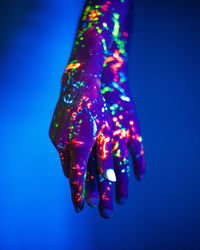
(35,204)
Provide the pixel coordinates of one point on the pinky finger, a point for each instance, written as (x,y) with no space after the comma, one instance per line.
(136,149)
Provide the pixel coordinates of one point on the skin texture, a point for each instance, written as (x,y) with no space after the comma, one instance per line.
(125,129)
(81,120)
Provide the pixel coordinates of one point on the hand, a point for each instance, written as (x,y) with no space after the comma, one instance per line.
(126,134)
(81,122)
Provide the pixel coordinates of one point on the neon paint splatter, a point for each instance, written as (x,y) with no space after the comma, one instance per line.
(81,117)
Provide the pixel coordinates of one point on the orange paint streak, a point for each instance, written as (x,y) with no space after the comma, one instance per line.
(106,124)
(117,132)
(93,14)
(77,143)
(73,115)
(104,197)
(133,129)
(138,138)
(89,105)
(117,124)
(73,66)
(117,65)
(116,146)
(79,107)
(128,133)
(75,112)
(103,141)
(123,134)
(105,151)
(78,197)
(109,59)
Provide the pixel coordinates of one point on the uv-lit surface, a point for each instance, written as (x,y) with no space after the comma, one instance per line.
(163,211)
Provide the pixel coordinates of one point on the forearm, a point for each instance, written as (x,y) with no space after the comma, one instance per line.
(98,26)
(114,73)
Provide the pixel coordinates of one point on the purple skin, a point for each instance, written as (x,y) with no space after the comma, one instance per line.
(75,129)
(81,120)
(125,128)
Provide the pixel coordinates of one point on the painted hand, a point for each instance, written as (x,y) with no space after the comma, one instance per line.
(81,122)
(125,133)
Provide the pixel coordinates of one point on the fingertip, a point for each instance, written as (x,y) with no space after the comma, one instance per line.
(139,177)
(106,213)
(78,209)
(121,200)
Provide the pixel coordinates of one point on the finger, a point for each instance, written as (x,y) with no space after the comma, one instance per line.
(77,175)
(105,188)
(122,169)
(65,160)
(103,150)
(91,189)
(136,149)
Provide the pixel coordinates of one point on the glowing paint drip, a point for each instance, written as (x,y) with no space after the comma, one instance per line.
(103,141)
(110,174)
(116,24)
(73,66)
(125,98)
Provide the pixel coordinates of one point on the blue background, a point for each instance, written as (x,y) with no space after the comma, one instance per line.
(162,212)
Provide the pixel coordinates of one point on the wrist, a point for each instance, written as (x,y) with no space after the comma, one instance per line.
(90,55)
(77,79)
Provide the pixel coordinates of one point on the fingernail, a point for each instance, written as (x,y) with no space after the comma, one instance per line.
(106,213)
(93,201)
(77,209)
(110,175)
(140,176)
(122,200)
